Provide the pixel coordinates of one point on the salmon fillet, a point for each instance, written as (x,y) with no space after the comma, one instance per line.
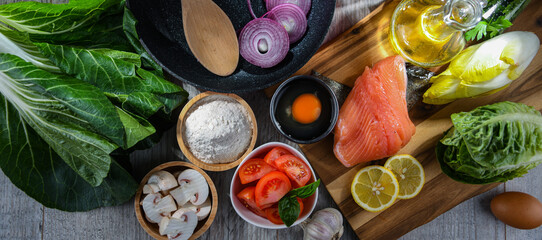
(373,121)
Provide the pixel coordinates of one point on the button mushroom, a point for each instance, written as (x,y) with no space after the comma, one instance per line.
(180,226)
(156,207)
(202,211)
(193,187)
(163,179)
(150,189)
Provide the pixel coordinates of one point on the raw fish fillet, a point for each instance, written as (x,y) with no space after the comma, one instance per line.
(373,121)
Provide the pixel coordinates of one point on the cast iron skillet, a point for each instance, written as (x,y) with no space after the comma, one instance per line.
(160,29)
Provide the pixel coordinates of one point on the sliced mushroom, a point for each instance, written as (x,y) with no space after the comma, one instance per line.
(180,226)
(150,189)
(193,187)
(202,211)
(156,207)
(163,179)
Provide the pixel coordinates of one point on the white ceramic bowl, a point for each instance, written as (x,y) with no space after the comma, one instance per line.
(237,187)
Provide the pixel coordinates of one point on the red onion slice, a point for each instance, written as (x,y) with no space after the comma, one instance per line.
(305,5)
(264,42)
(292,18)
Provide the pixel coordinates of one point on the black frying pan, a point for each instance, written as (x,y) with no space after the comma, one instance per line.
(160,28)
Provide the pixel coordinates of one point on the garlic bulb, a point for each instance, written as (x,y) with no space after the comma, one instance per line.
(325,224)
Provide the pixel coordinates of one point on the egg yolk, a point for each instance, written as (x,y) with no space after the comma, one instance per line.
(306,108)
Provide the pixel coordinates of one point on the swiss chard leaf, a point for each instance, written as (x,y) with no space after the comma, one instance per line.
(19,44)
(71,137)
(45,20)
(44,176)
(129,27)
(136,89)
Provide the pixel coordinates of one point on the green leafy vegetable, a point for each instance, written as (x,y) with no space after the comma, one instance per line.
(77,91)
(493,143)
(35,168)
(19,44)
(484,68)
(289,207)
(134,88)
(67,133)
(498,16)
(43,20)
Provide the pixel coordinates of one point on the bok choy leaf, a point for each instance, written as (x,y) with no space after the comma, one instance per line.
(34,167)
(135,89)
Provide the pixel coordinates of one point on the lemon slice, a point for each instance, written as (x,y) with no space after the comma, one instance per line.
(375,188)
(409,173)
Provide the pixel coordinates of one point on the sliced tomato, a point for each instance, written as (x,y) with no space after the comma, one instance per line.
(253,170)
(300,201)
(247,198)
(275,153)
(271,188)
(273,215)
(295,168)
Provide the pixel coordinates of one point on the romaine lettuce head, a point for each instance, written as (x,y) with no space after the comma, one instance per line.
(493,143)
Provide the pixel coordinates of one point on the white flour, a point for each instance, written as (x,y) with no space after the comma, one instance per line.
(218,131)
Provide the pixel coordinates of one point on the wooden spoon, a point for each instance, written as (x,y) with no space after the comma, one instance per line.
(210,36)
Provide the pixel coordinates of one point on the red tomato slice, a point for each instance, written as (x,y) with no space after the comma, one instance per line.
(275,153)
(300,201)
(247,198)
(273,215)
(271,188)
(253,170)
(295,168)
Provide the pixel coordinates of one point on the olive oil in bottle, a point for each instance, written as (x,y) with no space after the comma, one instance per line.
(430,33)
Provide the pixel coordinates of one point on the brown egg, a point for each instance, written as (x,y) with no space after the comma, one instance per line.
(517,209)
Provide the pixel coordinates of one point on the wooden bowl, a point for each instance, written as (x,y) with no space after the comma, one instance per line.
(152,228)
(198,101)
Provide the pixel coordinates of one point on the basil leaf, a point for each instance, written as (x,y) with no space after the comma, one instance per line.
(289,210)
(305,191)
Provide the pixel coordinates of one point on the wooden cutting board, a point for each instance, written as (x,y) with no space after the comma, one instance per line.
(343,60)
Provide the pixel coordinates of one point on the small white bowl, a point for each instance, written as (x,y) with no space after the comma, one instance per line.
(236,187)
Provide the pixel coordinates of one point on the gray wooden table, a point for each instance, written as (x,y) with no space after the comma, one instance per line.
(24,218)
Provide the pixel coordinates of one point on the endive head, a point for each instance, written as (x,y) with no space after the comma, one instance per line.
(484,68)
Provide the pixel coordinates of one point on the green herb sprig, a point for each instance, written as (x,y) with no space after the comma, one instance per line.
(289,207)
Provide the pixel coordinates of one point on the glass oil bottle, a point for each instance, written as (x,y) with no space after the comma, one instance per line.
(429,33)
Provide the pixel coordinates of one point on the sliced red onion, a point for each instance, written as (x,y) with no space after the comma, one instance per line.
(264,42)
(292,18)
(305,5)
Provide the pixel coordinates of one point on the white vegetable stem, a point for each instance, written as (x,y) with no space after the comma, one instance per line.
(193,187)
(324,225)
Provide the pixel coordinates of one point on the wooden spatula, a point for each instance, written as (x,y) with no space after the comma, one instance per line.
(210,36)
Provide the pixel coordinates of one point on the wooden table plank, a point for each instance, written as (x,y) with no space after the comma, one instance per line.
(23,216)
